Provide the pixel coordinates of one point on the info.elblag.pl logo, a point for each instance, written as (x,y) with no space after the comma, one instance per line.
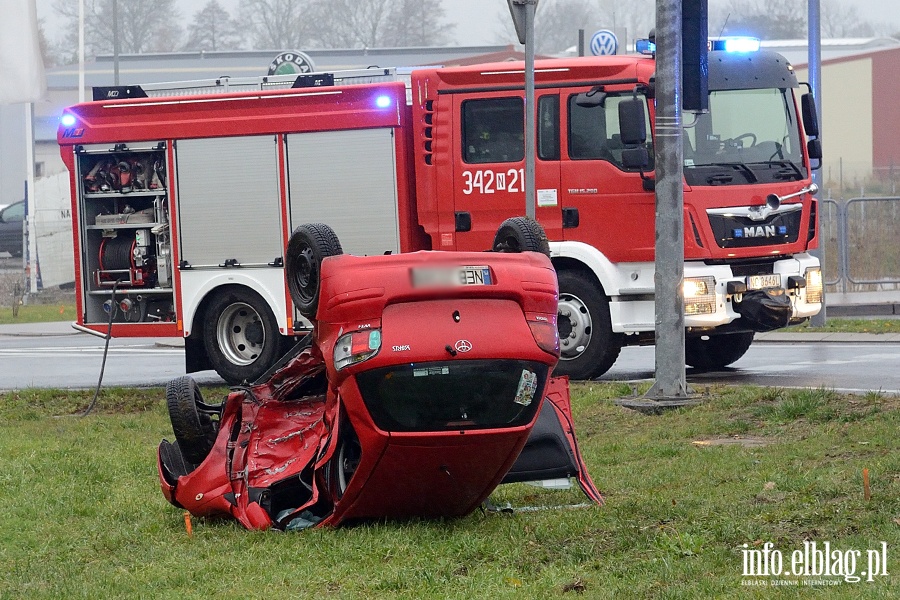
(814,564)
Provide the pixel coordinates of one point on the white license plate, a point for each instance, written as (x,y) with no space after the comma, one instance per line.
(450,277)
(759,282)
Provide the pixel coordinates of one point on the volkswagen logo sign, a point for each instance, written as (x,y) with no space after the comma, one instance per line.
(463,346)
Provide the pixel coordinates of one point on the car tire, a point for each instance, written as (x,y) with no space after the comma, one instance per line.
(588,346)
(309,245)
(521,234)
(716,351)
(195,432)
(240,335)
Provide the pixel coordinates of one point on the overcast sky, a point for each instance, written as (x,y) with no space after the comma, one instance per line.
(478,21)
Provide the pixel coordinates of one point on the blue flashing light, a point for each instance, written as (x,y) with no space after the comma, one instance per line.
(741,44)
(645,47)
(67,120)
(383,101)
(782,230)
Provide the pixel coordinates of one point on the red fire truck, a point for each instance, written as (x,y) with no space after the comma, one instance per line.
(184,198)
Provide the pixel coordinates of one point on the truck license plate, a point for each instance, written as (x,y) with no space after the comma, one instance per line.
(758,282)
(451,276)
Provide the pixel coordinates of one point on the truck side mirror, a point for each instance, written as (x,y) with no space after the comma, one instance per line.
(636,158)
(632,122)
(814,149)
(590,99)
(810,116)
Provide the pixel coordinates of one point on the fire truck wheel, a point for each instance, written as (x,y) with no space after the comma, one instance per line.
(240,335)
(588,346)
(343,464)
(195,431)
(520,234)
(716,351)
(308,246)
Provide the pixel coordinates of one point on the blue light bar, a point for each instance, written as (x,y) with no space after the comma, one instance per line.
(644,47)
(383,101)
(67,120)
(735,44)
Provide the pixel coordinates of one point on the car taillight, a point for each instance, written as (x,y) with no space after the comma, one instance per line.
(545,334)
(356,347)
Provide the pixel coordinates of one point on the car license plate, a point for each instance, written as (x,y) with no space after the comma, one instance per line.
(759,282)
(450,277)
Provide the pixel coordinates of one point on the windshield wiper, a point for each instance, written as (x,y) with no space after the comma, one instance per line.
(789,169)
(751,176)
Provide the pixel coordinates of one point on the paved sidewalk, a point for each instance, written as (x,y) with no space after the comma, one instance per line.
(65,328)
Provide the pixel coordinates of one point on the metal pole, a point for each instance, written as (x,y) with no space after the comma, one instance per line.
(529,109)
(80,51)
(115,11)
(31,255)
(815,81)
(671,382)
(581,42)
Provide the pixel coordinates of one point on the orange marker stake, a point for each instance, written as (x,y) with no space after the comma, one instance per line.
(187,524)
(867,493)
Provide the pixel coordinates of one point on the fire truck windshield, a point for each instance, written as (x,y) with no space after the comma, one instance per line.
(747,128)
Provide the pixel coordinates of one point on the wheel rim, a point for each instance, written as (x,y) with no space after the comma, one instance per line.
(348,461)
(240,333)
(574,324)
(305,275)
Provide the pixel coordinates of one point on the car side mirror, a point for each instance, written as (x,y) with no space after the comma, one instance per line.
(632,127)
(810,115)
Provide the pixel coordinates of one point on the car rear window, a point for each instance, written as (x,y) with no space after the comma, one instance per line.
(440,396)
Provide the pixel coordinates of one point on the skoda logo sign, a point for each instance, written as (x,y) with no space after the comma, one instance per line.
(290,63)
(463,346)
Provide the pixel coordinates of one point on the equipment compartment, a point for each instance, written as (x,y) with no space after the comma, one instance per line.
(126,243)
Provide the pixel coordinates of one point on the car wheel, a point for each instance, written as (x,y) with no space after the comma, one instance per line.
(195,431)
(588,347)
(716,351)
(521,234)
(342,466)
(309,245)
(240,335)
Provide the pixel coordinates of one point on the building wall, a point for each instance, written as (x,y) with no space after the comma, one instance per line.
(12,153)
(886,112)
(847,119)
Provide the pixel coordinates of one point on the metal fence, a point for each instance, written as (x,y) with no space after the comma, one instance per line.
(860,240)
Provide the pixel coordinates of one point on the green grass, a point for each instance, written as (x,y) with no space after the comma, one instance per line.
(81,514)
(846,325)
(38,313)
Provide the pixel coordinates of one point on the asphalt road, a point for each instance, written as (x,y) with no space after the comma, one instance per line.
(53,355)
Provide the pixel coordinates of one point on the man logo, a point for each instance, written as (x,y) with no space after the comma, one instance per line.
(463,346)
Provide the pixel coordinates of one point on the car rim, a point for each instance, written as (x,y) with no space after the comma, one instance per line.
(348,461)
(241,334)
(574,325)
(306,274)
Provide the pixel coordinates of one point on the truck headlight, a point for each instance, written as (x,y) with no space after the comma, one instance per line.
(699,295)
(814,285)
(356,347)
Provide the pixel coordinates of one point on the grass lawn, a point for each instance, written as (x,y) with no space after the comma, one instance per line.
(848,325)
(38,313)
(82,515)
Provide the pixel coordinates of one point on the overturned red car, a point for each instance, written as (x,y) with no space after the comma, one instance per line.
(425,377)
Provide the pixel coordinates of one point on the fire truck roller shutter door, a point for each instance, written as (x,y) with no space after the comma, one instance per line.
(347,179)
